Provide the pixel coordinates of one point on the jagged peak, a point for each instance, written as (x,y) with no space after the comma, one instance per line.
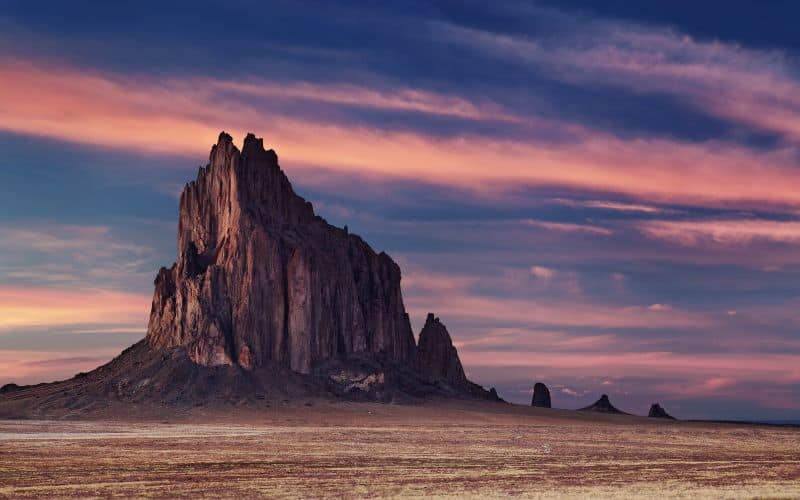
(224,137)
(254,146)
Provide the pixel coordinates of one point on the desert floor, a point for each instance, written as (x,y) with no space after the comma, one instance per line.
(354,450)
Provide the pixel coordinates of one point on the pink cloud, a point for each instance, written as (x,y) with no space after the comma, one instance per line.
(27,367)
(402,99)
(726,232)
(185,116)
(564,227)
(612,205)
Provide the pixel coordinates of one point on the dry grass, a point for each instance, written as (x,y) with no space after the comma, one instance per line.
(358,450)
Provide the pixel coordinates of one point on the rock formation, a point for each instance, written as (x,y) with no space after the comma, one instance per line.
(260,279)
(541,396)
(267,302)
(656,411)
(603,405)
(437,358)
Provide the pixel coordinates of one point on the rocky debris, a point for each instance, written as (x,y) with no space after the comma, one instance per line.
(437,358)
(656,411)
(603,405)
(261,279)
(541,396)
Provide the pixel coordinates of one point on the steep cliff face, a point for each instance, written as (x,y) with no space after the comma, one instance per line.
(260,279)
(437,358)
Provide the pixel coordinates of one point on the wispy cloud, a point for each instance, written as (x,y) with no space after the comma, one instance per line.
(612,205)
(724,232)
(96,256)
(567,227)
(759,88)
(454,298)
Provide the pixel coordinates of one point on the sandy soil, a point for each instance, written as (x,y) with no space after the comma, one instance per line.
(321,448)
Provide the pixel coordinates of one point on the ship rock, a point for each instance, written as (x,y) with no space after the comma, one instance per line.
(261,279)
(266,297)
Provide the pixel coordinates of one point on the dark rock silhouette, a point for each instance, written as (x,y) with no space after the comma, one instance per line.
(541,396)
(266,301)
(437,358)
(9,388)
(603,405)
(656,411)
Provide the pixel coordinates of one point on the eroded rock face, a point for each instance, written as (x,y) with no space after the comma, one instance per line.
(437,358)
(541,396)
(261,279)
(656,411)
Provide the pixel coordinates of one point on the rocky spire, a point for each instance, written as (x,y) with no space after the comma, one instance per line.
(656,411)
(541,395)
(437,358)
(603,405)
(260,279)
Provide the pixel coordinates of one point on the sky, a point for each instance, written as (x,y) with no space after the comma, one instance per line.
(602,199)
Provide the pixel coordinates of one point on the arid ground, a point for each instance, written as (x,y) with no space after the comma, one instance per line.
(323,448)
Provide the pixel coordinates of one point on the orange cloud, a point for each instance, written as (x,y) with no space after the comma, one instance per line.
(185,116)
(22,307)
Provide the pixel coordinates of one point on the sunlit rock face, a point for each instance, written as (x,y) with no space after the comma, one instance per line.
(261,279)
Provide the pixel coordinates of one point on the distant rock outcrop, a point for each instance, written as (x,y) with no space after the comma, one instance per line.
(656,411)
(603,405)
(437,358)
(541,396)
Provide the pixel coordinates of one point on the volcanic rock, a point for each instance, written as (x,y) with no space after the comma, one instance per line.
(266,303)
(656,411)
(260,279)
(541,396)
(437,358)
(603,405)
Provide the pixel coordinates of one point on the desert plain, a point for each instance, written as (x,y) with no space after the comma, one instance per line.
(346,449)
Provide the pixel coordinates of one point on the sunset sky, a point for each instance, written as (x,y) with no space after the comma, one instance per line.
(601,200)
